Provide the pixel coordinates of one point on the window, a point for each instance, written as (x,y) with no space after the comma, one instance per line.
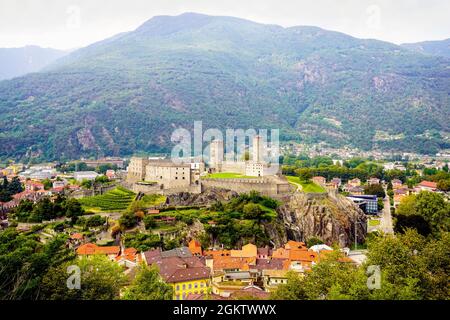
(196,285)
(184,287)
(190,286)
(178,287)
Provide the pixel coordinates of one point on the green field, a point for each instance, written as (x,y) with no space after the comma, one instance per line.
(117,199)
(307,187)
(229,175)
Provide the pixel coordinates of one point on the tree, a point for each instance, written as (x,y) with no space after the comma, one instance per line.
(313,241)
(149,222)
(128,220)
(252,211)
(429,205)
(24,260)
(148,285)
(47,184)
(101,279)
(375,189)
(101,179)
(14,186)
(444,185)
(5,196)
(73,209)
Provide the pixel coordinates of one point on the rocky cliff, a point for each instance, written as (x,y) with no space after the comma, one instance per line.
(208,197)
(327,216)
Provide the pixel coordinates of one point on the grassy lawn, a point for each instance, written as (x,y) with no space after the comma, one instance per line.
(307,187)
(374,222)
(229,175)
(117,199)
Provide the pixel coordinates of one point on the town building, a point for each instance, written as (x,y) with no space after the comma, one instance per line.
(367,203)
(186,273)
(85,175)
(428,186)
(373,181)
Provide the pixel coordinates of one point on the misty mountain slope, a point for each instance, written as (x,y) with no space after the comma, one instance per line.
(436,48)
(15,62)
(128,93)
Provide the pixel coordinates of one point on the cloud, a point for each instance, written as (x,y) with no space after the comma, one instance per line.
(75,23)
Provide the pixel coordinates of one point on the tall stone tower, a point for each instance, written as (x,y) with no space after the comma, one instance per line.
(258,149)
(216,154)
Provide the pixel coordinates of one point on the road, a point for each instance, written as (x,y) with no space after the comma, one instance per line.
(386,218)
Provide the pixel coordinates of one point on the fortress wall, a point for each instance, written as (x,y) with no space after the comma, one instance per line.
(265,187)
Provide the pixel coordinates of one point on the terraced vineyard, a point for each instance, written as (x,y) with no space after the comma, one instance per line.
(115,200)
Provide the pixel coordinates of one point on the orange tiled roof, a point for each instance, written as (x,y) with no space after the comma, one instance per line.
(428,184)
(195,247)
(302,255)
(227,262)
(280,253)
(76,236)
(91,248)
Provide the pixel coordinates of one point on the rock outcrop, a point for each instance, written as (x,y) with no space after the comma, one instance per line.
(208,197)
(330,217)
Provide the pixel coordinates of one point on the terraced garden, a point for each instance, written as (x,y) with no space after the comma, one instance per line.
(117,199)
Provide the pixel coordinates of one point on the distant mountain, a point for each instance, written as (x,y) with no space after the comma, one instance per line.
(436,48)
(15,62)
(128,93)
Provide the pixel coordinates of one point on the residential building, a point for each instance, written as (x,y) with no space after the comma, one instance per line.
(354,182)
(319,180)
(428,186)
(373,181)
(273,278)
(187,274)
(90,249)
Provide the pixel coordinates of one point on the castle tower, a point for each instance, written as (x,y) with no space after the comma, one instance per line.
(258,149)
(216,154)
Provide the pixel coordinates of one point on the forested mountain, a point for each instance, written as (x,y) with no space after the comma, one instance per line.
(128,93)
(436,48)
(15,62)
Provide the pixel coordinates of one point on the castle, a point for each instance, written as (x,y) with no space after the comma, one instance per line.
(163,175)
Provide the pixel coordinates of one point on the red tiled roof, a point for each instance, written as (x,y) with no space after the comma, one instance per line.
(91,248)
(428,184)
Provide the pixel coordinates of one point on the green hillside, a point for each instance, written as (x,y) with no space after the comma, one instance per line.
(117,199)
(127,94)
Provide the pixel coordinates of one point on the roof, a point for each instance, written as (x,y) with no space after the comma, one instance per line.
(91,248)
(195,247)
(252,291)
(270,264)
(264,251)
(76,236)
(302,255)
(227,262)
(428,184)
(275,273)
(177,252)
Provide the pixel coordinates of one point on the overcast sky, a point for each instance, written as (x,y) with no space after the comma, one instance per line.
(66,24)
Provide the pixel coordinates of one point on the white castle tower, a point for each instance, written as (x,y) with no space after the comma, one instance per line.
(216,154)
(258,149)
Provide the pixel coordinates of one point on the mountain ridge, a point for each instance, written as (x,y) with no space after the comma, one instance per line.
(15,62)
(313,84)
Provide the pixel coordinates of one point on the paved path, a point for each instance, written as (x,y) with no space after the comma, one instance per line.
(386,218)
